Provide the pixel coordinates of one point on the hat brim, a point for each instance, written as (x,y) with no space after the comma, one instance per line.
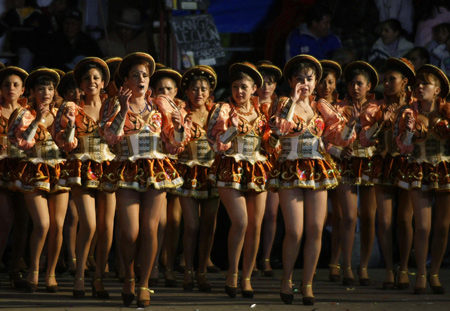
(165,73)
(34,75)
(272,69)
(287,71)
(79,68)
(249,69)
(132,58)
(326,63)
(438,73)
(200,70)
(64,82)
(13,70)
(406,69)
(362,65)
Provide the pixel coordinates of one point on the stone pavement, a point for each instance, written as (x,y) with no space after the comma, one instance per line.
(329,296)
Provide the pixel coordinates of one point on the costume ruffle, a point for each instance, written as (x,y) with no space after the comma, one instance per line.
(141,175)
(226,172)
(355,171)
(425,176)
(303,173)
(86,174)
(196,182)
(30,177)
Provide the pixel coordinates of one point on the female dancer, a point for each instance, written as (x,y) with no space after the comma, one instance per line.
(302,174)
(68,89)
(77,129)
(140,171)
(268,101)
(199,200)
(377,121)
(326,89)
(354,168)
(424,135)
(37,176)
(165,81)
(13,211)
(235,131)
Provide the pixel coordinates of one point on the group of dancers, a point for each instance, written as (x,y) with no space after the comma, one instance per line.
(131,150)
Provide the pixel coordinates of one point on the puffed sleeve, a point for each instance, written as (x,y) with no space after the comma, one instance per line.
(282,118)
(442,128)
(404,138)
(370,117)
(22,129)
(174,140)
(63,133)
(220,131)
(336,130)
(112,122)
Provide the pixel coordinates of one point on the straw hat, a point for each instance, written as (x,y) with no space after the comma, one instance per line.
(34,75)
(78,72)
(300,59)
(250,69)
(200,70)
(362,65)
(438,73)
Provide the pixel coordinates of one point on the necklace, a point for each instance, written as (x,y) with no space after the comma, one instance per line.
(201,116)
(245,113)
(146,108)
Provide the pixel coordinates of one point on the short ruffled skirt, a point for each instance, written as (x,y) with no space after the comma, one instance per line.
(425,176)
(7,166)
(385,170)
(313,174)
(30,177)
(141,175)
(86,174)
(196,182)
(226,172)
(355,171)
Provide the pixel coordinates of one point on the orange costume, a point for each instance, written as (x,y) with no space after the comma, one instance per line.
(386,162)
(87,152)
(239,163)
(194,163)
(428,147)
(138,143)
(356,169)
(10,155)
(302,163)
(44,161)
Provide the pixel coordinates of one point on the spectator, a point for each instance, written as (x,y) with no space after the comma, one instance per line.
(418,56)
(127,37)
(314,37)
(391,43)
(26,26)
(69,44)
(441,33)
(444,63)
(402,10)
(430,13)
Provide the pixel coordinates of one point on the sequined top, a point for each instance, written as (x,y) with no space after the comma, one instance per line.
(34,138)
(246,144)
(11,151)
(87,143)
(429,142)
(345,109)
(134,137)
(379,133)
(304,139)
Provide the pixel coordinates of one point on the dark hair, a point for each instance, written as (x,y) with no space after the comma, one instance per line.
(299,66)
(90,66)
(317,13)
(356,72)
(196,78)
(395,25)
(44,80)
(423,53)
(327,71)
(69,85)
(268,74)
(239,75)
(440,27)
